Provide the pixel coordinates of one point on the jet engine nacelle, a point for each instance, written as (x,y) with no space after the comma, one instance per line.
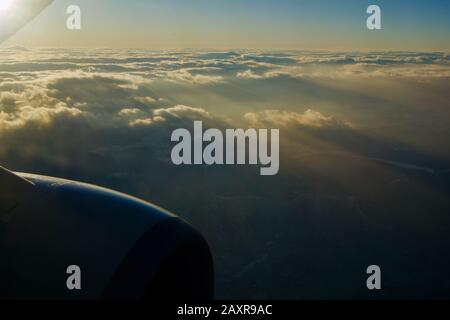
(125,248)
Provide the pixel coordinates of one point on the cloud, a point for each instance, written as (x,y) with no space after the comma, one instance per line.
(186,75)
(280,118)
(35,115)
(182,111)
(120,87)
(249,74)
(141,122)
(203,68)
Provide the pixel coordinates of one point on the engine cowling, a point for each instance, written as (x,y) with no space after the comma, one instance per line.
(126,248)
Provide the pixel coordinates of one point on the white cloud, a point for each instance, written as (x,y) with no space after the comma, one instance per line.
(120,87)
(141,122)
(182,111)
(187,76)
(280,118)
(35,115)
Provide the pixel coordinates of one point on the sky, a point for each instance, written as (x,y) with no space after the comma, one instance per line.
(270,24)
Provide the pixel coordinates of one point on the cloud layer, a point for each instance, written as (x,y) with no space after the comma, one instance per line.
(38,85)
(364,154)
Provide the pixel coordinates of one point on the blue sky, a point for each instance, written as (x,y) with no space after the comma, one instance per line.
(274,24)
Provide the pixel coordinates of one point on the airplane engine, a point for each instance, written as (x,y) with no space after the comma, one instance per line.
(124,248)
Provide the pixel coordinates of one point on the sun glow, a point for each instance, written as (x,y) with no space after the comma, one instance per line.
(5,4)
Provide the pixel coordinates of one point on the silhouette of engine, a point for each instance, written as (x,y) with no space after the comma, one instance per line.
(125,248)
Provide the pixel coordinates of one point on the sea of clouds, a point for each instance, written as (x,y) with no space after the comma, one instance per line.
(365,160)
